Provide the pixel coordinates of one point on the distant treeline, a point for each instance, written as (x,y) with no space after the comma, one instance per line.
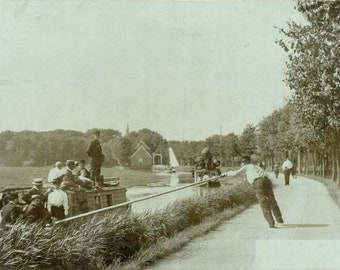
(31,148)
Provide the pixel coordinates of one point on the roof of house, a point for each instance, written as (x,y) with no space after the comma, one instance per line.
(141,143)
(141,148)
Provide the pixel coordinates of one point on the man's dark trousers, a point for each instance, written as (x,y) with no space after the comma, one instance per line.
(265,195)
(287,176)
(95,174)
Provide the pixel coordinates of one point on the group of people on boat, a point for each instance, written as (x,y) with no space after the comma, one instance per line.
(50,203)
(41,204)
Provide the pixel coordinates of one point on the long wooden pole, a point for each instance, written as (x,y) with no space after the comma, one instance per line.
(110,208)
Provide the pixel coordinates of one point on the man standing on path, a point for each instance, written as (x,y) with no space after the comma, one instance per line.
(263,189)
(287,167)
(94,151)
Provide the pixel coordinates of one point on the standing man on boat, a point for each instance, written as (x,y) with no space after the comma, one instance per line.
(94,151)
(257,177)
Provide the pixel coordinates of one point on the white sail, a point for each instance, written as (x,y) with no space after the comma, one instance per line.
(173,160)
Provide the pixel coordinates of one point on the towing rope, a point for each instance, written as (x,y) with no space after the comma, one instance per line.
(109,208)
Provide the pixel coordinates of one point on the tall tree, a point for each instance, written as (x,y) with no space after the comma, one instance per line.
(313,71)
(247,140)
(231,149)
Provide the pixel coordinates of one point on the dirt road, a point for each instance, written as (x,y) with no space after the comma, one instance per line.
(309,239)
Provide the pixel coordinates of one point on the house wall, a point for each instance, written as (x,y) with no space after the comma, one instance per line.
(141,160)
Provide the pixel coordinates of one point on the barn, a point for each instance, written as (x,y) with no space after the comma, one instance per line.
(141,158)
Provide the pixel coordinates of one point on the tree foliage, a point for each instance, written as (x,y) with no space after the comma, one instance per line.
(313,71)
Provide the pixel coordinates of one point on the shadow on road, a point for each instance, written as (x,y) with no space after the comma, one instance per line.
(303,225)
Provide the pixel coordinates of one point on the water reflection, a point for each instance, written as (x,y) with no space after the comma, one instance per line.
(176,180)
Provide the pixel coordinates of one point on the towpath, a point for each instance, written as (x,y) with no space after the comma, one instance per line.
(309,239)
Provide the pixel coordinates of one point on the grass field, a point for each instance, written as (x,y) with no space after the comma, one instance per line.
(23,176)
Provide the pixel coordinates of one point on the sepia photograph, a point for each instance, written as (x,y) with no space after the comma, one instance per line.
(170,134)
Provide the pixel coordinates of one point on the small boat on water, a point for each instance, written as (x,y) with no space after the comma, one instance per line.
(170,170)
(172,163)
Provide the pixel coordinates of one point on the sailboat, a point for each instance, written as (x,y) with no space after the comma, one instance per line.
(172,163)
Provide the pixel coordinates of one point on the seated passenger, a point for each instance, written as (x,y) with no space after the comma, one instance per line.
(69,181)
(11,212)
(57,202)
(35,211)
(55,172)
(83,175)
(37,189)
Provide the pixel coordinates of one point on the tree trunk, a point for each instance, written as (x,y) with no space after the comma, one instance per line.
(333,164)
(299,162)
(323,165)
(306,161)
(314,162)
(338,165)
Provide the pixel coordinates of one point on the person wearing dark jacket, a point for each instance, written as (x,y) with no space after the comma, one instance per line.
(94,151)
(69,181)
(11,212)
(35,211)
(83,175)
(37,189)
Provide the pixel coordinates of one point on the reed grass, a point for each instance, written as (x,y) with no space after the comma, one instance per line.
(115,239)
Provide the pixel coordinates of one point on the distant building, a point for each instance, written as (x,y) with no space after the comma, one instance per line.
(141,158)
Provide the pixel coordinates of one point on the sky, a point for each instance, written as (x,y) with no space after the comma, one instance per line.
(185,69)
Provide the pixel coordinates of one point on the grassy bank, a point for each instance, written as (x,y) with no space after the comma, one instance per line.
(121,241)
(23,176)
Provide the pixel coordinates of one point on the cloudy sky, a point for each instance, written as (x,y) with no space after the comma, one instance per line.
(183,69)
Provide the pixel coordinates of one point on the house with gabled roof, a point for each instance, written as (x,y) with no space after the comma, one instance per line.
(141,158)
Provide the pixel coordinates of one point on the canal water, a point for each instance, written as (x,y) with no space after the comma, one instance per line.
(176,180)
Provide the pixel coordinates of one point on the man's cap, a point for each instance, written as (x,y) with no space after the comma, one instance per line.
(38,182)
(82,161)
(70,162)
(96,132)
(58,180)
(58,163)
(36,196)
